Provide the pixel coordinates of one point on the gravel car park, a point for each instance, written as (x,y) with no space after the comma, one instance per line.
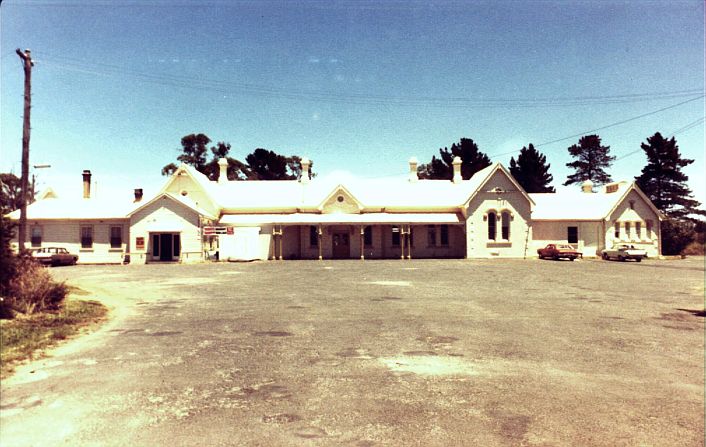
(364,353)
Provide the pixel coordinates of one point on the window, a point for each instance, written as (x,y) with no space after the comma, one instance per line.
(573,235)
(36,236)
(116,237)
(616,225)
(491,226)
(431,235)
(505,218)
(444,230)
(313,236)
(649,229)
(396,236)
(627,230)
(368,236)
(86,237)
(638,230)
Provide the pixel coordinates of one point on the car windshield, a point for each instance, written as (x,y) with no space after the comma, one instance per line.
(566,247)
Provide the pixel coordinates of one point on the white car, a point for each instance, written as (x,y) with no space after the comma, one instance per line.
(54,256)
(624,252)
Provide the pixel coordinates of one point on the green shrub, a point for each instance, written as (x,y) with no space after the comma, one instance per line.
(32,288)
(676,236)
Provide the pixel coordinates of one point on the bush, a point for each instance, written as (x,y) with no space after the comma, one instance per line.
(32,288)
(676,236)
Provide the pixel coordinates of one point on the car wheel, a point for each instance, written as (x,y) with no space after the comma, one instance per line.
(605,256)
(621,259)
(638,259)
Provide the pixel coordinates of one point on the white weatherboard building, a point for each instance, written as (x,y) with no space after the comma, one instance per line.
(342,217)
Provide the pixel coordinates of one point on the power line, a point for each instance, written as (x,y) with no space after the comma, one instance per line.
(604,127)
(72,64)
(678,131)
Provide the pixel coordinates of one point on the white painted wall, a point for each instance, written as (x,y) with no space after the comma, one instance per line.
(166,214)
(640,212)
(67,234)
(519,243)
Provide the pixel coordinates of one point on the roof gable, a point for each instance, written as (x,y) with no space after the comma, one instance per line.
(633,187)
(184,201)
(340,200)
(187,181)
(484,177)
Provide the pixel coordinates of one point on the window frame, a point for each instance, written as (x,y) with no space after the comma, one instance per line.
(576,234)
(119,238)
(36,242)
(90,237)
(492,222)
(505,225)
(444,235)
(368,236)
(313,236)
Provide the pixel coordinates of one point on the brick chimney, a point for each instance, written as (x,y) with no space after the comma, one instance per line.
(86,184)
(587,186)
(138,194)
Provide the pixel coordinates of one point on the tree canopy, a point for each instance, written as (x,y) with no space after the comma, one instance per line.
(531,170)
(10,192)
(262,164)
(472,161)
(662,179)
(592,159)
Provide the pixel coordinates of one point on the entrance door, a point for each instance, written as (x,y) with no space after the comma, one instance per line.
(341,246)
(166,245)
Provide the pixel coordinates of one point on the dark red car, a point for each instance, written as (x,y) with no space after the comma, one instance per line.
(558,251)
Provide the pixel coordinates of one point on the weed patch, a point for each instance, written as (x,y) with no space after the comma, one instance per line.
(26,336)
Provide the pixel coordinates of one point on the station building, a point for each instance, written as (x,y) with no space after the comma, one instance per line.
(192,219)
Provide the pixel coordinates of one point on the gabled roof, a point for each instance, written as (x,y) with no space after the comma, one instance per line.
(76,209)
(185,201)
(574,204)
(481,177)
(338,190)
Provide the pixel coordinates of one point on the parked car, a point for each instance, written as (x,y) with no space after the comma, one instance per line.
(558,251)
(54,256)
(623,252)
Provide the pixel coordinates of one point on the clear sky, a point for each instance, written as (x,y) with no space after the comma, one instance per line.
(357,86)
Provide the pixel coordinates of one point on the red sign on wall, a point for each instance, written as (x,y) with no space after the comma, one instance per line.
(140,243)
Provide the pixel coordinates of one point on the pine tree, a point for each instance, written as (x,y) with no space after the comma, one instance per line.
(592,160)
(472,161)
(531,170)
(662,179)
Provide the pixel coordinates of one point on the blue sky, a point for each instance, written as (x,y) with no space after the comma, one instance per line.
(357,86)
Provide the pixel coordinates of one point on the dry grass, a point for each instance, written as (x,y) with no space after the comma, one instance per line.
(26,336)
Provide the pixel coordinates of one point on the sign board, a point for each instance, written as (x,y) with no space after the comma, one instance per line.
(140,243)
(209,231)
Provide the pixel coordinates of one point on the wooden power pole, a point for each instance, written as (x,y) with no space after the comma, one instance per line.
(24,181)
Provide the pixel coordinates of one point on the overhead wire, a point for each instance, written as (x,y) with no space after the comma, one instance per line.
(97,68)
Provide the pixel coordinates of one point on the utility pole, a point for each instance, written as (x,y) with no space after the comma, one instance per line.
(24,181)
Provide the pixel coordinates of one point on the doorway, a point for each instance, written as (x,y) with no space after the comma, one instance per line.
(166,246)
(341,246)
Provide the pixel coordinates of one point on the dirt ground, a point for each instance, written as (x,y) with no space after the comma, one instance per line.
(373,353)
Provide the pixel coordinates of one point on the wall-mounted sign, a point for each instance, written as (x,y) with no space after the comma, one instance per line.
(140,243)
(209,231)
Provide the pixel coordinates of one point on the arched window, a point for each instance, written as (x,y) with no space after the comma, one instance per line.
(492,225)
(505,219)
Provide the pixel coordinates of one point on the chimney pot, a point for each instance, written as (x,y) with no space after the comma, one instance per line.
(306,163)
(86,184)
(222,170)
(138,194)
(587,186)
(457,169)
(413,176)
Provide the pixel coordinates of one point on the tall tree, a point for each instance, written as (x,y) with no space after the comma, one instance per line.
(194,152)
(531,170)
(472,161)
(10,193)
(662,179)
(592,159)
(268,165)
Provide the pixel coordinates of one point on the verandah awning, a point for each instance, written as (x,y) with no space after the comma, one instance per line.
(340,218)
